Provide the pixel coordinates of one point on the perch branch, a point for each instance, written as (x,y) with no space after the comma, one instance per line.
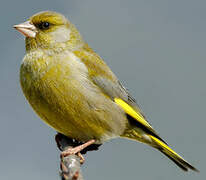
(71,165)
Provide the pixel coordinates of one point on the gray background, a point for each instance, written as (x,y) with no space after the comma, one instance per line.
(157,48)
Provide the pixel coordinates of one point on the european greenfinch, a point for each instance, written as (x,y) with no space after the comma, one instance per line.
(73,90)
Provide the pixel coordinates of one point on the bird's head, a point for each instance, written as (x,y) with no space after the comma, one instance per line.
(49,31)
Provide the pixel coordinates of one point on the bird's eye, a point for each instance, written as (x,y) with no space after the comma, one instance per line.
(44,25)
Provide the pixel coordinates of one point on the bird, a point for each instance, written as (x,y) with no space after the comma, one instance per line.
(73,90)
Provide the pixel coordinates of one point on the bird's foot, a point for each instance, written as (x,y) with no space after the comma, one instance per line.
(76,150)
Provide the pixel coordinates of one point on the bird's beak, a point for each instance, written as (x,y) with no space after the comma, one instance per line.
(27,29)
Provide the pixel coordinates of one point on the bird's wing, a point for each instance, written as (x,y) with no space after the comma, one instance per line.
(117,92)
(104,78)
(122,98)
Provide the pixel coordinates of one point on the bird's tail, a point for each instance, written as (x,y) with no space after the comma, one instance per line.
(139,129)
(177,159)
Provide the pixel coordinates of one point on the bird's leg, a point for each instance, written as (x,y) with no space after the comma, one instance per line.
(77,149)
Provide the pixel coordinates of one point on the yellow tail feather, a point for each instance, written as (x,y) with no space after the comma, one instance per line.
(177,159)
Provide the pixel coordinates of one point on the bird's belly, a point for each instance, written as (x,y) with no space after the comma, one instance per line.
(78,111)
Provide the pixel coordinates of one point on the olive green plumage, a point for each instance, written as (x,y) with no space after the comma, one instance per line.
(72,89)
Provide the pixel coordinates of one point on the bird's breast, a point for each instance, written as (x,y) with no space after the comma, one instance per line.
(60,91)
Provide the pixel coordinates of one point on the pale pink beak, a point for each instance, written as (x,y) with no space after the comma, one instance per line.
(27,29)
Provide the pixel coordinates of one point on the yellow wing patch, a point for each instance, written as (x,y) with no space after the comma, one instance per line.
(130,111)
